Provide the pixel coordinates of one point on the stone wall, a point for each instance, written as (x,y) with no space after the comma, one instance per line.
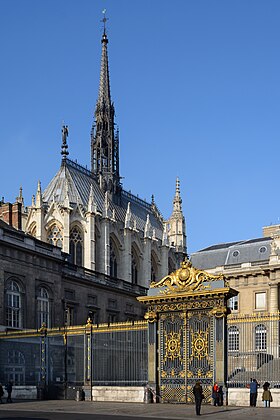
(118,393)
(22,392)
(241,396)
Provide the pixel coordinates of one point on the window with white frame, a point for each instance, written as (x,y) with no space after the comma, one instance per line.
(260,300)
(260,337)
(233,338)
(13,305)
(43,308)
(233,303)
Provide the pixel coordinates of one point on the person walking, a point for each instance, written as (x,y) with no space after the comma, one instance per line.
(215,394)
(9,389)
(266,396)
(1,393)
(221,395)
(253,393)
(198,396)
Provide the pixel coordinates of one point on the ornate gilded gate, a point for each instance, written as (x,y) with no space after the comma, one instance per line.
(187,315)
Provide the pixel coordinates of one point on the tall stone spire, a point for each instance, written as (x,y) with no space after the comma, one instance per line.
(104,139)
(177,227)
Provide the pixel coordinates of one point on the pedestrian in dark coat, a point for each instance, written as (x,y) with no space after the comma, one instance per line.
(253,393)
(1,393)
(9,388)
(198,396)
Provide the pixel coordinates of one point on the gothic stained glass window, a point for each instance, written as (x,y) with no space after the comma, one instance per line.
(113,261)
(134,268)
(43,308)
(76,246)
(154,273)
(13,305)
(54,236)
(233,338)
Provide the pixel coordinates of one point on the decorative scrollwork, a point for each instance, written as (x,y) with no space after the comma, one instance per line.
(219,312)
(150,316)
(185,279)
(172,345)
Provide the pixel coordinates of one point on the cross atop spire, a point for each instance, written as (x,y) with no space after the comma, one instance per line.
(104,20)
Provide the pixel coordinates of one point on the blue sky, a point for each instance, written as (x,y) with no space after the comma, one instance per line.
(196,87)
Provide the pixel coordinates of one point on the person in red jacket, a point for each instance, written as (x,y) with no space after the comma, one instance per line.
(215,394)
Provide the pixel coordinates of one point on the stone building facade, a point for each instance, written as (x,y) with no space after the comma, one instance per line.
(99,246)
(91,217)
(38,285)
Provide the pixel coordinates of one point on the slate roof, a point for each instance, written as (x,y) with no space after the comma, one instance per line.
(78,181)
(233,254)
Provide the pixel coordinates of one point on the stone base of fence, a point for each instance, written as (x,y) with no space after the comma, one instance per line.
(118,393)
(241,397)
(22,392)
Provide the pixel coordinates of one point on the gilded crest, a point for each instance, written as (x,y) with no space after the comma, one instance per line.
(187,278)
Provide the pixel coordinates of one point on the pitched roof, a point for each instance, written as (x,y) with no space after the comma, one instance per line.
(254,251)
(77,181)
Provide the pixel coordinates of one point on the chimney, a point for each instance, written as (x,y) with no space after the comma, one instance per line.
(11,214)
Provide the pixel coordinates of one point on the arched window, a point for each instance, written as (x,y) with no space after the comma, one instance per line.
(154,269)
(43,308)
(233,339)
(113,261)
(54,236)
(76,246)
(260,337)
(134,268)
(13,305)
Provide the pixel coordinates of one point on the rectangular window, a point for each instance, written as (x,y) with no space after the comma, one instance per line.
(112,304)
(233,303)
(69,294)
(92,300)
(260,300)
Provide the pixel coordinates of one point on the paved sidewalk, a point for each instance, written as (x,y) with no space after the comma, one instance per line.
(164,411)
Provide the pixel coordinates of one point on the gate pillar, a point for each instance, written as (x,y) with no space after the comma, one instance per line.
(186,314)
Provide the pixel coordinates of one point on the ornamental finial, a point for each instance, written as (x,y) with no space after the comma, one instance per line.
(64,145)
(104,20)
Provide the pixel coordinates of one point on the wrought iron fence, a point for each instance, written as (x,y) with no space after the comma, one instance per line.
(66,358)
(253,349)
(117,354)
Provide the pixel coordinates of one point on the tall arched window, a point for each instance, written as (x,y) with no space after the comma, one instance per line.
(154,269)
(134,268)
(260,337)
(233,338)
(13,305)
(113,261)
(76,246)
(43,308)
(54,236)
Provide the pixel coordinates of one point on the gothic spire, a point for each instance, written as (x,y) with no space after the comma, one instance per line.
(177,202)
(104,96)
(177,226)
(104,138)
